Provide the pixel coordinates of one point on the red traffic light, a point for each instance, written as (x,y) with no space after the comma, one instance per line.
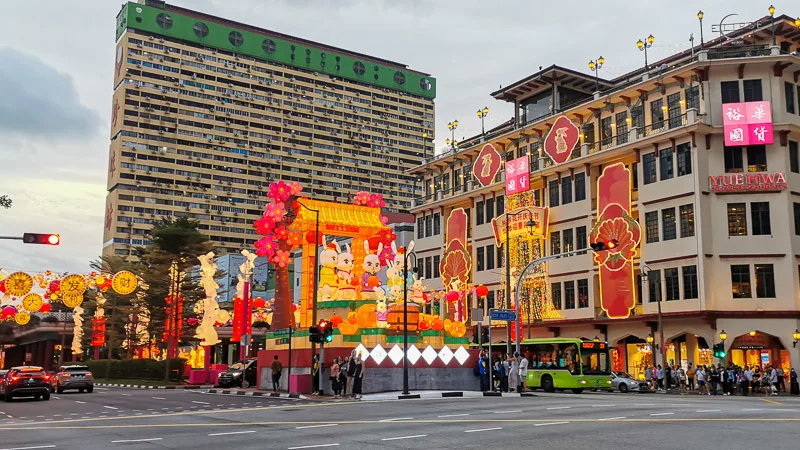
(322,324)
(41,238)
(611,244)
(604,245)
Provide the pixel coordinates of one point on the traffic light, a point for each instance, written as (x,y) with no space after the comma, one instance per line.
(604,245)
(313,334)
(719,350)
(326,331)
(41,238)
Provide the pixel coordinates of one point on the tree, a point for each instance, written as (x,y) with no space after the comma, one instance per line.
(5,201)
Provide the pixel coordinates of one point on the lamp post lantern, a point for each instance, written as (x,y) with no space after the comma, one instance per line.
(643,45)
(646,278)
(405,318)
(452,127)
(594,66)
(482,113)
(772,16)
(531,225)
(700,18)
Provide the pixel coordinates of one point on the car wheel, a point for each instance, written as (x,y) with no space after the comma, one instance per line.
(245,384)
(623,388)
(547,383)
(46,396)
(59,390)
(90,389)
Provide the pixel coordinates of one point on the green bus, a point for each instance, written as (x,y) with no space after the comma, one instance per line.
(567,363)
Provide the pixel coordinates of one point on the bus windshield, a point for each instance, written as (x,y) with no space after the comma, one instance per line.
(595,362)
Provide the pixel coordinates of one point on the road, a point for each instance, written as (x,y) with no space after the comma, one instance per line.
(157,419)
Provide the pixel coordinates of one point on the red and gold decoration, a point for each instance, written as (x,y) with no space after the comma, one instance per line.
(73,285)
(18,284)
(124,282)
(487,165)
(614,222)
(32,302)
(561,140)
(22,318)
(98,331)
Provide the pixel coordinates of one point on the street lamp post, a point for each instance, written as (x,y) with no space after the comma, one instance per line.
(405,319)
(531,224)
(452,127)
(650,340)
(772,15)
(643,46)
(646,278)
(722,337)
(594,66)
(482,113)
(700,18)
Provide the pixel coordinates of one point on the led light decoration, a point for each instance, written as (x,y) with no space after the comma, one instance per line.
(378,354)
(462,355)
(446,355)
(396,354)
(429,355)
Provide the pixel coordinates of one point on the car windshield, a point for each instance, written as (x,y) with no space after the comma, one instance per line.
(76,369)
(622,375)
(237,366)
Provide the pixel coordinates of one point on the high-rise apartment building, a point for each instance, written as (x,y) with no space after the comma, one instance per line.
(207,112)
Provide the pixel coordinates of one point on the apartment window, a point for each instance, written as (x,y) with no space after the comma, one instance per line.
(752,91)
(756,158)
(693,98)
(436,266)
(553,185)
(796,218)
(479,213)
(568,242)
(668,224)
(765,281)
(428,226)
(606,130)
(490,299)
(740,281)
(729,90)
(555,242)
(555,294)
(674,109)
(479,252)
(649,168)
(654,285)
(684,159)
(672,284)
(737,219)
(687,220)
(420,224)
(588,133)
(622,127)
(580,238)
(446,183)
(566,190)
(537,196)
(637,117)
(794,158)
(635,176)
(759,214)
(490,254)
(651,226)
(437,224)
(569,295)
(733,160)
(580,186)
(428,270)
(499,257)
(690,288)
(789,94)
(500,205)
(657,113)
(665,163)
(583,293)
(422,268)
(489,210)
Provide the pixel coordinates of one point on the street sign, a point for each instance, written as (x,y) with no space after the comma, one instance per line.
(477,315)
(508,315)
(282,332)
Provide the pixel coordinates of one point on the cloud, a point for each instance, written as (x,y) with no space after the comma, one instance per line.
(38,101)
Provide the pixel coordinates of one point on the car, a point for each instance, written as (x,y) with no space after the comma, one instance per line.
(243,373)
(623,382)
(74,377)
(25,381)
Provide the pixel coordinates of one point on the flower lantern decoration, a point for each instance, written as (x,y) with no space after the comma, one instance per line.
(259,303)
(361,198)
(481,291)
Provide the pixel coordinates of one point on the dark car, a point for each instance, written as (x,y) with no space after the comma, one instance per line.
(25,381)
(73,377)
(242,373)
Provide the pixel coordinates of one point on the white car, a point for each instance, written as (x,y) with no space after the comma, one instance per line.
(623,382)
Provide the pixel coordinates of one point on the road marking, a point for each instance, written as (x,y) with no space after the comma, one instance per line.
(136,440)
(232,432)
(404,437)
(560,407)
(507,412)
(57,398)
(200,403)
(662,414)
(127,395)
(752,409)
(29,448)
(708,410)
(396,418)
(78,401)
(483,429)
(453,415)
(548,423)
(602,406)
(317,426)
(612,418)
(770,401)
(109,407)
(159,398)
(644,404)
(313,446)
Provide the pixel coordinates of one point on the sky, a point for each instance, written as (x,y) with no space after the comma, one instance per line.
(57,59)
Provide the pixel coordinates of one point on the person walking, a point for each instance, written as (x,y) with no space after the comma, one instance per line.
(690,377)
(794,386)
(351,371)
(660,377)
(513,373)
(648,377)
(335,378)
(277,369)
(701,380)
(523,373)
(343,364)
(483,371)
(358,376)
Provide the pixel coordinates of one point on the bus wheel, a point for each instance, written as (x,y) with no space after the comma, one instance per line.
(577,391)
(547,383)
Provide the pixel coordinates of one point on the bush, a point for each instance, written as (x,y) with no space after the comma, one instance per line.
(147,369)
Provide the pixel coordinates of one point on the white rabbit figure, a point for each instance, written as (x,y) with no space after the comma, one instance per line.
(400,268)
(381,310)
(328,280)
(344,271)
(370,280)
(418,292)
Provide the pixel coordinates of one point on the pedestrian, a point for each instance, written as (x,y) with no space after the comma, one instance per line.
(523,373)
(483,371)
(351,371)
(358,376)
(660,377)
(335,378)
(690,377)
(676,377)
(277,369)
(513,373)
(648,377)
(501,377)
(794,386)
(743,384)
(344,362)
(773,379)
(667,376)
(315,375)
(504,379)
(731,373)
(701,380)
(748,379)
(781,379)
(756,376)
(714,380)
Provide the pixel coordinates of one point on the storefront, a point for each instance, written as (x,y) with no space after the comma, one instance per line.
(758,349)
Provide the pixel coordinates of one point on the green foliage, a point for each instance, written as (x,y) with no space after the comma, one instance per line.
(147,369)
(5,201)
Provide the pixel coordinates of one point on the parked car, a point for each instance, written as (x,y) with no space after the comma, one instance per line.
(623,382)
(74,377)
(242,373)
(25,381)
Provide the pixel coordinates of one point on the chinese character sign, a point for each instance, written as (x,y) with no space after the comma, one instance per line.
(487,164)
(517,175)
(747,123)
(561,140)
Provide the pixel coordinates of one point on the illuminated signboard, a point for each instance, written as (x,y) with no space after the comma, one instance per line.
(747,123)
(487,164)
(517,175)
(519,223)
(744,182)
(561,140)
(594,345)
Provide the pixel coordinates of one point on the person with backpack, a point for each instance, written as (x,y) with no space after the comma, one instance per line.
(690,377)
(483,371)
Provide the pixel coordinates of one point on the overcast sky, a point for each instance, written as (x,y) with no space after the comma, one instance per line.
(57,58)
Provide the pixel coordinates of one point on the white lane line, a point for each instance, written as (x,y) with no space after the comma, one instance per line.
(752,409)
(507,412)
(136,440)
(644,404)
(232,432)
(317,426)
(57,398)
(29,448)
(78,401)
(708,410)
(159,398)
(483,429)
(662,414)
(548,423)
(109,407)
(313,446)
(200,403)
(560,407)
(126,395)
(602,406)
(452,415)
(404,437)
(611,418)
(396,418)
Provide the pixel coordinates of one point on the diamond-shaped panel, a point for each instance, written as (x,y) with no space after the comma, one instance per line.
(446,355)
(429,355)
(361,350)
(396,354)
(378,354)
(462,355)
(413,354)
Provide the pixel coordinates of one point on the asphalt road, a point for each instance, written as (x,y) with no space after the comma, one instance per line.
(154,419)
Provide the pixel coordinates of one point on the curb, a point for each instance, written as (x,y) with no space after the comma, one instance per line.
(253,393)
(137,386)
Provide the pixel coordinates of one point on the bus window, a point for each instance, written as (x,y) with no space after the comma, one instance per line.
(595,362)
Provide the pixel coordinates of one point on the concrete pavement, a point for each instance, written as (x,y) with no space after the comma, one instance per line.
(193,420)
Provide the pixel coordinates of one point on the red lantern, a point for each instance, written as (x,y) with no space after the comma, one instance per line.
(452,296)
(46,307)
(482,291)
(310,238)
(3,286)
(259,303)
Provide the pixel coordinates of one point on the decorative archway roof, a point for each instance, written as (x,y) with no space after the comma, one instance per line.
(338,219)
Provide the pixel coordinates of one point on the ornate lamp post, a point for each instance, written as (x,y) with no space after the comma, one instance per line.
(482,113)
(700,18)
(531,225)
(452,127)
(646,279)
(650,340)
(594,66)
(643,46)
(405,318)
(772,15)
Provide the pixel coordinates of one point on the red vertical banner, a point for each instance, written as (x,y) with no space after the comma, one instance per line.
(238,325)
(614,222)
(98,331)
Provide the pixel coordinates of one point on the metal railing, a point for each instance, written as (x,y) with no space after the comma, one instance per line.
(739,52)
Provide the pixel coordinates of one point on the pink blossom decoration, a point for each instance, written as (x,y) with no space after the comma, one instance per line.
(281,258)
(279,191)
(361,198)
(295,187)
(386,255)
(264,225)
(281,233)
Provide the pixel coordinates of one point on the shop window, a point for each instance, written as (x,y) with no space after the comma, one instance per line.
(428,226)
(479,252)
(651,226)
(489,210)
(436,266)
(569,295)
(737,219)
(555,294)
(479,213)
(794,158)
(583,293)
(637,118)
(668,224)
(752,91)
(789,95)
(671,284)
(687,220)
(622,127)
(537,197)
(437,224)
(553,186)
(684,159)
(759,213)
(756,158)
(490,254)
(796,218)
(428,269)
(690,288)
(568,243)
(588,133)
(580,238)
(580,186)
(765,281)
(740,281)
(634,176)
(606,131)
(733,160)
(555,242)
(649,168)
(566,190)
(729,91)
(665,163)
(654,285)
(490,299)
